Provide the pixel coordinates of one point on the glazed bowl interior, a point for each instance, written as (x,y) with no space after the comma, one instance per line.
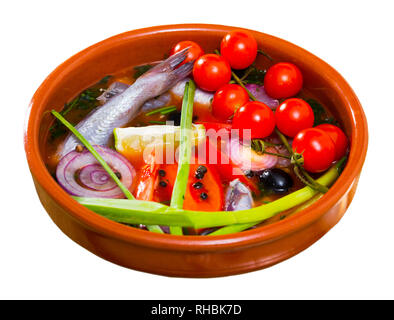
(142,46)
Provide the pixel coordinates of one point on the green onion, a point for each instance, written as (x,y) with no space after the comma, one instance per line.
(106,167)
(185,146)
(163,110)
(148,213)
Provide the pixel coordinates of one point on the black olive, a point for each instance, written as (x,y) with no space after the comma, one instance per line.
(249,174)
(176,117)
(276,180)
(162,173)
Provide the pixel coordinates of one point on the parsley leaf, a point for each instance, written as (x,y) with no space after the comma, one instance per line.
(140,70)
(86,101)
(320,113)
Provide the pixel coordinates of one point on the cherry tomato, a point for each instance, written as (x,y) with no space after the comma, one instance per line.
(255,116)
(294,115)
(204,191)
(211,71)
(195,51)
(283,80)
(239,48)
(227,99)
(338,137)
(317,148)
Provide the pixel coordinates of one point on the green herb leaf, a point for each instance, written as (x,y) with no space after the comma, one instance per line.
(140,70)
(252,75)
(320,113)
(86,100)
(163,110)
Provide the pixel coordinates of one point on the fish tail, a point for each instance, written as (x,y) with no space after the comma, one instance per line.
(183,70)
(171,63)
(176,59)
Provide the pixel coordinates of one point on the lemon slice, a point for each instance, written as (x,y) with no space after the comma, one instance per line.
(132,142)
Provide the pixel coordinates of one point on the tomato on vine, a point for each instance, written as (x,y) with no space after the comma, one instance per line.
(211,71)
(283,80)
(239,48)
(316,147)
(227,100)
(194,52)
(255,116)
(338,137)
(294,115)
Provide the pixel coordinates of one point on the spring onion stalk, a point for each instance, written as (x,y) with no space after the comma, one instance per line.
(151,213)
(106,167)
(185,146)
(241,227)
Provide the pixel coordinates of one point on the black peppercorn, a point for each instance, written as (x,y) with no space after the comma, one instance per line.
(163,184)
(203,195)
(197,185)
(200,172)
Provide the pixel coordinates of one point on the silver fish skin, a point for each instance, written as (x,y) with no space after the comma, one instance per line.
(98,126)
(238,197)
(113,90)
(200,96)
(117,88)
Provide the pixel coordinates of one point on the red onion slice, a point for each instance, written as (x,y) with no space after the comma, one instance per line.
(80,174)
(260,94)
(247,159)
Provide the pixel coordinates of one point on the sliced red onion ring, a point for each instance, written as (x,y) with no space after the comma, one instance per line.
(283,162)
(80,174)
(247,159)
(260,94)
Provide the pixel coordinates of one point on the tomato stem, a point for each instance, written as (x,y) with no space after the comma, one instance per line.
(312,182)
(301,172)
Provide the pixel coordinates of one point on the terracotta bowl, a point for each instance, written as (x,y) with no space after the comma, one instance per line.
(191,256)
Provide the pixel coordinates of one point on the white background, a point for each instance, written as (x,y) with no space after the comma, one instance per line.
(354,260)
